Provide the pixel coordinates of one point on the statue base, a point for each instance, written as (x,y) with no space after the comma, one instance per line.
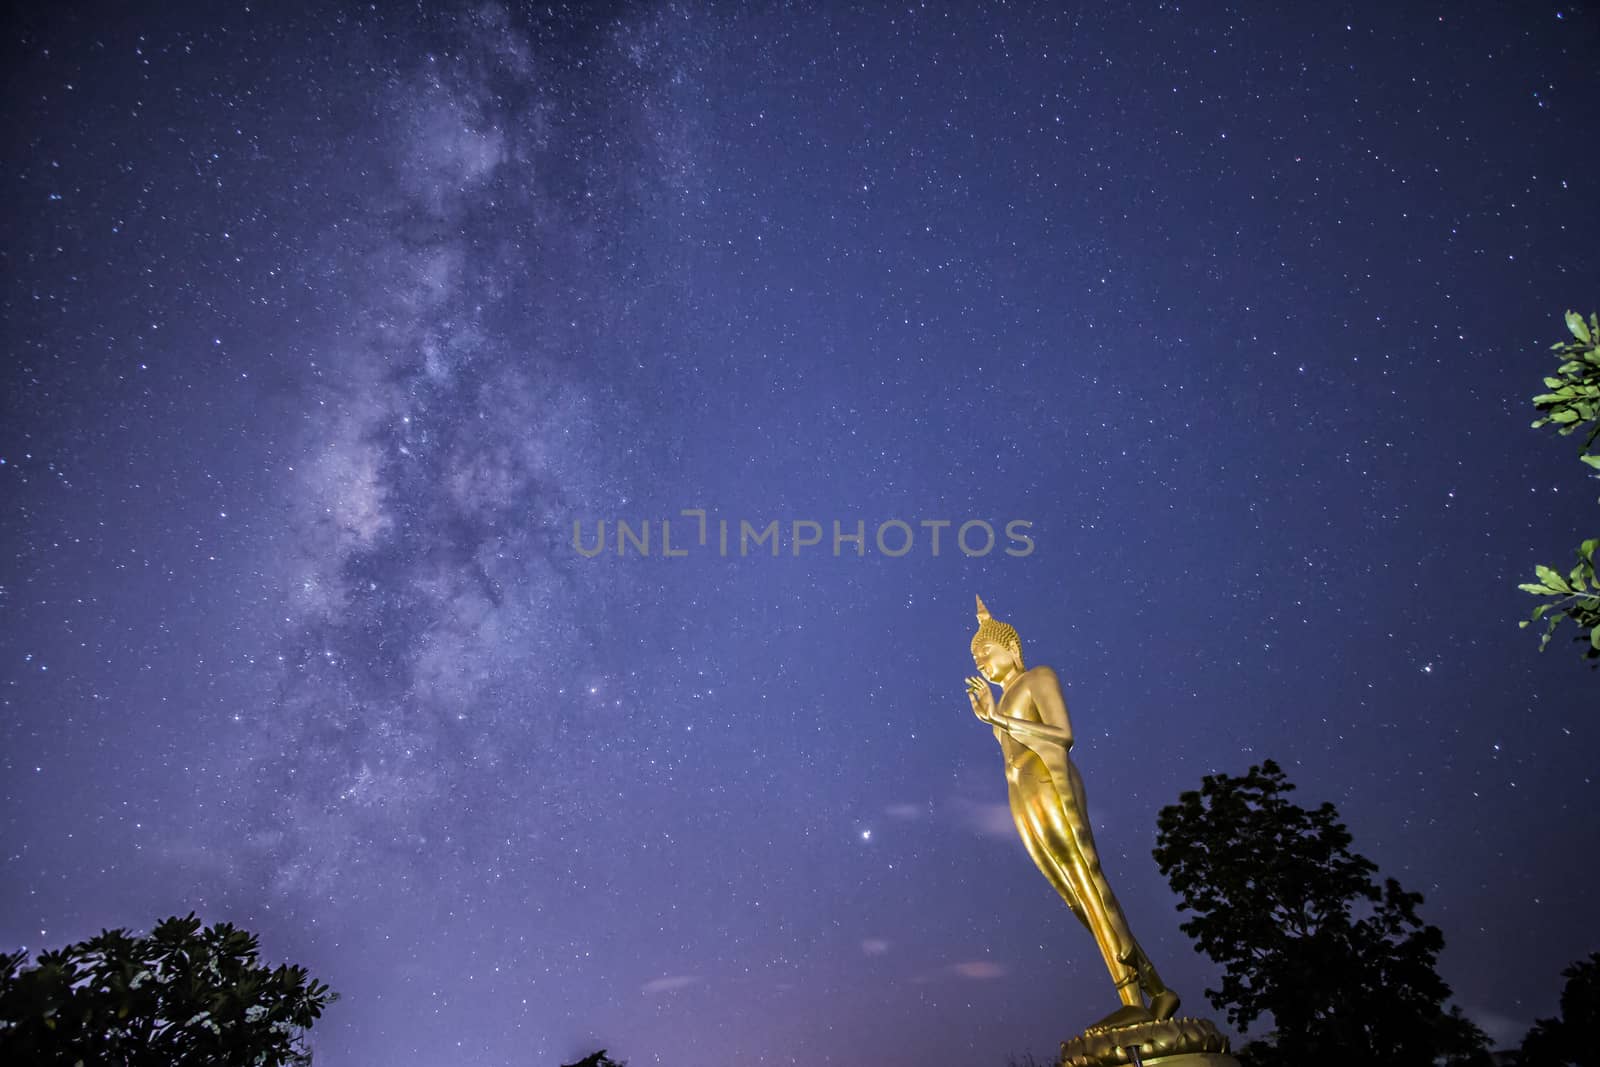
(1167,1043)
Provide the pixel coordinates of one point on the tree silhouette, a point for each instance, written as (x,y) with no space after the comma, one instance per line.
(181,997)
(1303,932)
(1569,1041)
(597,1059)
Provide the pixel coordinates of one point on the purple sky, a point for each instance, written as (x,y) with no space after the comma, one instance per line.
(324,325)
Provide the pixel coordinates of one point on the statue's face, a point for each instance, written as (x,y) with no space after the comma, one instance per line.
(994,660)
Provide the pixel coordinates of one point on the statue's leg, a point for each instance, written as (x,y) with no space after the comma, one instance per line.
(1129,950)
(1061,848)
(1074,821)
(1041,860)
(1163,1001)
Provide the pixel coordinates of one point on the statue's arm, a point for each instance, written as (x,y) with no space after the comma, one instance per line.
(1045,689)
(1026,730)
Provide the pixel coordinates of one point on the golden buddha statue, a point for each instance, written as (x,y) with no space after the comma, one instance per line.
(1051,811)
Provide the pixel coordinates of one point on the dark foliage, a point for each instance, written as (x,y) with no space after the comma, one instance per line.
(1570,1040)
(1304,932)
(597,1059)
(181,997)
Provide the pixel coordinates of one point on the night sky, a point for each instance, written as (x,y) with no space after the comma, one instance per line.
(325,324)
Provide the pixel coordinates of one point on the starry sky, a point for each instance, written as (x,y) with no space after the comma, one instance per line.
(326,323)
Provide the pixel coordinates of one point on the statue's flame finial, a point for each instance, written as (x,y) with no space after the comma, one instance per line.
(983,612)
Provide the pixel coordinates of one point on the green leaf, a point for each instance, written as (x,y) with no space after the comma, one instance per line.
(1551,578)
(1593,461)
(1594,637)
(1579,328)
(1586,550)
(1564,416)
(1537,590)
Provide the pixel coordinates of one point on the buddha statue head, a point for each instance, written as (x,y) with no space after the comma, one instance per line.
(996,648)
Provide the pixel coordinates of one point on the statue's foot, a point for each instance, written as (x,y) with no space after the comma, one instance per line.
(1163,1001)
(1127,1015)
